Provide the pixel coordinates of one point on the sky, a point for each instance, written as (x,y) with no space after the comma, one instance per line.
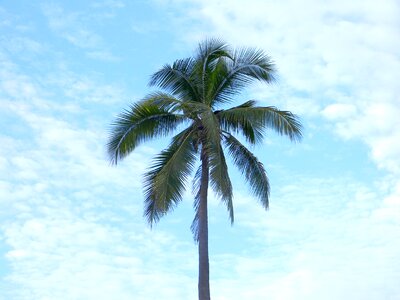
(71,224)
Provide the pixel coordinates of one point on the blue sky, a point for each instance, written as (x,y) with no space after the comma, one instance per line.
(71,225)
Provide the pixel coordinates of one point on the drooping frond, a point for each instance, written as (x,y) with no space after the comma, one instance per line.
(164,183)
(164,101)
(252,169)
(251,121)
(211,128)
(236,120)
(178,79)
(248,65)
(283,122)
(143,121)
(211,142)
(219,178)
(254,63)
(220,183)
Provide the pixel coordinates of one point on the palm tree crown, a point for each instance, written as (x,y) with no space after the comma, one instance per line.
(194,93)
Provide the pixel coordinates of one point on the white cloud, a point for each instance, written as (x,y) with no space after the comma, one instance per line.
(65,234)
(72,225)
(73,27)
(339,111)
(323,247)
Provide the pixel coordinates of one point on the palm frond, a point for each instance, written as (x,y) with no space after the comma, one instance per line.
(210,49)
(254,63)
(164,101)
(210,53)
(251,121)
(210,126)
(178,80)
(236,120)
(248,65)
(190,109)
(219,178)
(164,183)
(252,169)
(283,122)
(220,183)
(211,142)
(143,121)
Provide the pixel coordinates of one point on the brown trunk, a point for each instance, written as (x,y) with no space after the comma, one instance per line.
(204,276)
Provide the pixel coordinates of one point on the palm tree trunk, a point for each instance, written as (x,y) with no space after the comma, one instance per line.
(204,273)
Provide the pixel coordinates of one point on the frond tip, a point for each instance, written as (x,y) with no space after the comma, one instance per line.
(142,122)
(251,121)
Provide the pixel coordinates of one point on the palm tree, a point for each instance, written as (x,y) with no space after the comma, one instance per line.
(194,92)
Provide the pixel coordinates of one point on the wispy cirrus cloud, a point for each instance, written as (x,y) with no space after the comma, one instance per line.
(73,27)
(59,220)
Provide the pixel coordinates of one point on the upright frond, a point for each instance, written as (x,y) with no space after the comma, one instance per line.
(178,79)
(210,49)
(210,53)
(247,66)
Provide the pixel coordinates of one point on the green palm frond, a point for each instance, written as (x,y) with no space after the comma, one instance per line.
(254,63)
(236,120)
(251,121)
(251,168)
(220,183)
(283,122)
(219,178)
(164,183)
(214,77)
(210,49)
(210,128)
(178,79)
(248,65)
(210,53)
(143,121)
(164,101)
(190,109)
